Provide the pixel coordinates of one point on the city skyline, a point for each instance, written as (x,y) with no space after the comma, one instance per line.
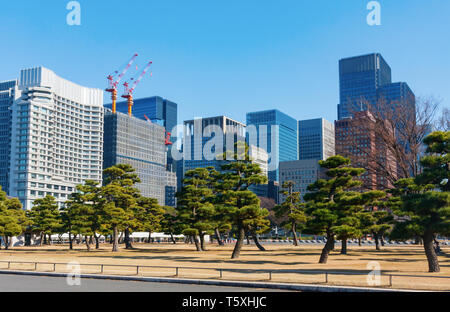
(287,61)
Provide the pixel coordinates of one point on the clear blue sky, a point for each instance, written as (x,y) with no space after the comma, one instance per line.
(230,57)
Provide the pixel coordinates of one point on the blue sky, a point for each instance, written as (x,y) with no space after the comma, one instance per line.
(217,57)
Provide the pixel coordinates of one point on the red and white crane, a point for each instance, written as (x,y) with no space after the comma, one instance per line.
(114,79)
(130,89)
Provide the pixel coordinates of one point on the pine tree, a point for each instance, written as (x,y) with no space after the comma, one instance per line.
(423,202)
(150,215)
(119,202)
(194,206)
(170,223)
(291,209)
(45,217)
(333,205)
(376,220)
(13,220)
(240,205)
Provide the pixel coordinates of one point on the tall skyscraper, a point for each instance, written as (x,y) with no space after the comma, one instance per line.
(366,81)
(133,141)
(368,96)
(57,137)
(275,132)
(160,111)
(315,139)
(359,79)
(361,145)
(200,132)
(8,92)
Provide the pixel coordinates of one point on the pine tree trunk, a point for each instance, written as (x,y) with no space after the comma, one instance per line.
(433,262)
(197,244)
(377,241)
(327,248)
(88,246)
(257,243)
(359,241)
(149,240)
(382,240)
(6,242)
(45,239)
(344,246)
(239,242)
(248,240)
(202,242)
(97,241)
(173,238)
(70,241)
(127,239)
(294,233)
(115,240)
(219,238)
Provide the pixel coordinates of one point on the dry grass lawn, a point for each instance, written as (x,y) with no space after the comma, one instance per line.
(282,259)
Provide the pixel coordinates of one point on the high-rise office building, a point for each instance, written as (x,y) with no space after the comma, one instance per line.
(260,157)
(302,172)
(366,86)
(133,141)
(275,132)
(315,139)
(357,140)
(365,81)
(158,110)
(8,92)
(199,136)
(57,137)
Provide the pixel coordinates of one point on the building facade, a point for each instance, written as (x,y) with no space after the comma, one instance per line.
(315,139)
(8,92)
(57,137)
(357,140)
(275,132)
(206,139)
(302,172)
(159,110)
(365,81)
(133,141)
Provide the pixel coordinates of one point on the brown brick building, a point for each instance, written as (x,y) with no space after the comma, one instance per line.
(356,139)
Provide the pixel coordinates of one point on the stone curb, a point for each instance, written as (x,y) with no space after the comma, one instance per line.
(229,283)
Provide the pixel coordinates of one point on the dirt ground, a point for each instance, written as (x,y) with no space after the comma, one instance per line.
(282,259)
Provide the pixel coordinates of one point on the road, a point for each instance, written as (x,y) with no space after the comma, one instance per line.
(22,283)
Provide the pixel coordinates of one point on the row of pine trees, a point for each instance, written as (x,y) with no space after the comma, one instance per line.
(219,203)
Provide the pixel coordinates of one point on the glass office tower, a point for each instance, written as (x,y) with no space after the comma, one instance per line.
(281,144)
(359,79)
(315,139)
(364,81)
(8,91)
(196,136)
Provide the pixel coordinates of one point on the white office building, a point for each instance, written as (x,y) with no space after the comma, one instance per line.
(57,136)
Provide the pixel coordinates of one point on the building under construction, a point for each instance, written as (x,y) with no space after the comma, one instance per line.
(141,144)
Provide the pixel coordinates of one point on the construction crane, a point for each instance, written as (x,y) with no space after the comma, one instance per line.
(114,79)
(129,90)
